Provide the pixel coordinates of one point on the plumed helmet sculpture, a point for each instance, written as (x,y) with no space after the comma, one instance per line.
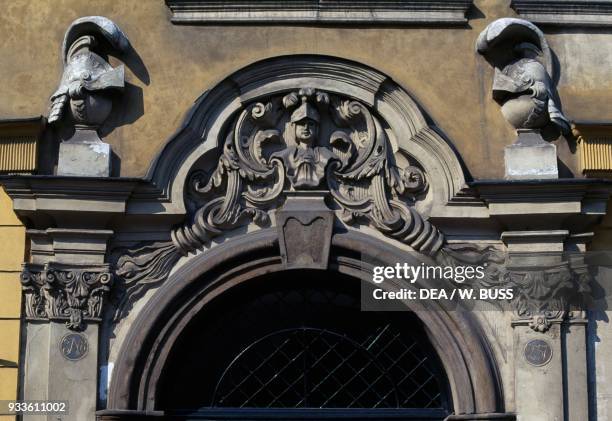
(87,75)
(523,81)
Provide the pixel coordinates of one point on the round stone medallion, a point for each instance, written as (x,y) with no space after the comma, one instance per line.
(538,352)
(74,346)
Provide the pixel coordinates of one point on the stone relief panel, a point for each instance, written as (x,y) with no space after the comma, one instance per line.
(307,140)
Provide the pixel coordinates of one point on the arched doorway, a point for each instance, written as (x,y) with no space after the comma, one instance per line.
(297,340)
(183,326)
(295,163)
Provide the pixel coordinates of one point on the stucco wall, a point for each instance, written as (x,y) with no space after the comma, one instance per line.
(12,240)
(438,66)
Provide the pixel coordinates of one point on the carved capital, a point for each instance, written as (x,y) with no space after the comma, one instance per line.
(549,294)
(547,288)
(72,293)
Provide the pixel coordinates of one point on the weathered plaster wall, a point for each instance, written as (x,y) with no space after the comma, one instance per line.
(12,240)
(438,66)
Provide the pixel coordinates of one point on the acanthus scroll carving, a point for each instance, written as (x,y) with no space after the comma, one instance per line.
(57,292)
(309,140)
(303,140)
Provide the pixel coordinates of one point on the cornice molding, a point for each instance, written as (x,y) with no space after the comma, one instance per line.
(565,12)
(369,12)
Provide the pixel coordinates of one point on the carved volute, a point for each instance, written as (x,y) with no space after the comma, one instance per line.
(308,139)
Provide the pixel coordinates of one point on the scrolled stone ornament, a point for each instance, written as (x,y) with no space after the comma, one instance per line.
(306,141)
(309,139)
(60,292)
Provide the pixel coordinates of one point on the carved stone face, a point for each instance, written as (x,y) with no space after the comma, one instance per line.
(306,131)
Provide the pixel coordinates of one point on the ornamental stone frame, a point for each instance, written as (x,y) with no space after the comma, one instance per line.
(285,153)
(374,12)
(468,361)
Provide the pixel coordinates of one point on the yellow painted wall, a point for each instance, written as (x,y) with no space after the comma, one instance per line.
(438,66)
(12,246)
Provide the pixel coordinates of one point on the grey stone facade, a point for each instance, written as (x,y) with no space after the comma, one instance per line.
(311,163)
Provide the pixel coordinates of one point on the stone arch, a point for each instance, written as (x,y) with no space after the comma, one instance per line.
(409,129)
(456,336)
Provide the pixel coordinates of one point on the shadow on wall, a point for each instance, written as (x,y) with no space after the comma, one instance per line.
(130,106)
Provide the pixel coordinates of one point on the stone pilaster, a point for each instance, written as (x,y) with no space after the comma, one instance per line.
(549,337)
(65,289)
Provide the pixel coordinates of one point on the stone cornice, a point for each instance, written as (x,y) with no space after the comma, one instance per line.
(572,204)
(565,12)
(368,12)
(56,195)
(540,190)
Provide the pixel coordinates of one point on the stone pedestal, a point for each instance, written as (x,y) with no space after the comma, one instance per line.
(84,155)
(530,157)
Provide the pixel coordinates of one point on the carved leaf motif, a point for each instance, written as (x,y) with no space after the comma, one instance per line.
(541,295)
(305,140)
(75,294)
(344,150)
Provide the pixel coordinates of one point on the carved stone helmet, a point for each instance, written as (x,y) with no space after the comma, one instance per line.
(519,77)
(305,111)
(523,83)
(87,74)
